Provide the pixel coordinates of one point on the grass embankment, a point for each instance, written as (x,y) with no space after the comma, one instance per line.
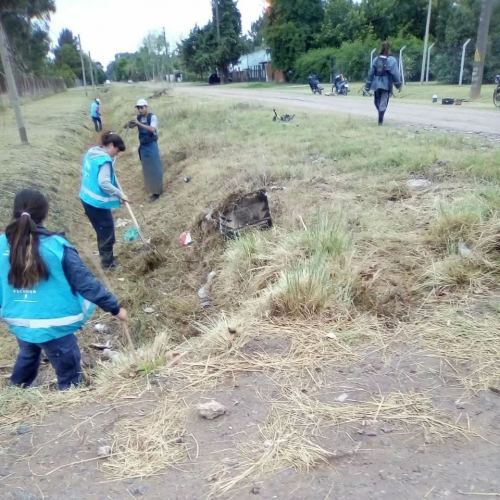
(357,262)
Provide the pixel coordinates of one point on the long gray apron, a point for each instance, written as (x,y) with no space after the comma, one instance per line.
(152,167)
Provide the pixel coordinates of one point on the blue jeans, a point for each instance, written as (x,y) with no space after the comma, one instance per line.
(97,123)
(64,356)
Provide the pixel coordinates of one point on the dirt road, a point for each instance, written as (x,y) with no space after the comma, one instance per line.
(459,118)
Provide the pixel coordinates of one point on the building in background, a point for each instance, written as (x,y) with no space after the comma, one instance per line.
(256,67)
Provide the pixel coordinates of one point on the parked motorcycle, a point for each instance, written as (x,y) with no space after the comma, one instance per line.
(496,92)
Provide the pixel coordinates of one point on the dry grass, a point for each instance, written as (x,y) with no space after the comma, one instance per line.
(292,436)
(356,261)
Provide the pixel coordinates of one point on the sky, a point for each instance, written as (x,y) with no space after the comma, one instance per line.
(108,27)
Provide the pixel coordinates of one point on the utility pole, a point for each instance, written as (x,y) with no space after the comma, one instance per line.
(428,63)
(426,41)
(11,84)
(83,66)
(482,41)
(166,54)
(91,72)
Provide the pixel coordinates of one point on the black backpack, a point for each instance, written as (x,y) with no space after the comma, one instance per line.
(381,66)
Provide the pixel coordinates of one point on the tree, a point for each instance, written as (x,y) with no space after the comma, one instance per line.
(344,20)
(197,51)
(254,39)
(230,45)
(26,25)
(290,29)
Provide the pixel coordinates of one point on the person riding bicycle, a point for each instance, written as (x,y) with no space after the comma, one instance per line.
(384,73)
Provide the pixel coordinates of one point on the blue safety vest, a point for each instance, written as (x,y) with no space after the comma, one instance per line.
(90,191)
(93,110)
(48,311)
(145,136)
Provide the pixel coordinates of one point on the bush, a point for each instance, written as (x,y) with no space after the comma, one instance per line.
(317,61)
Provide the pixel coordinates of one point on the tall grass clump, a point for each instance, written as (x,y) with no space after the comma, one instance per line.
(319,278)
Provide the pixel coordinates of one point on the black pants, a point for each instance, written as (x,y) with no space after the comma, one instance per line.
(381,103)
(97,123)
(104,226)
(64,356)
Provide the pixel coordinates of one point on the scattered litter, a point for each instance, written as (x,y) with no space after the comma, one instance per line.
(206,304)
(331,336)
(95,252)
(284,118)
(278,188)
(232,331)
(148,310)
(101,347)
(255,490)
(268,443)
(249,210)
(418,184)
(187,179)
(112,355)
(131,234)
(207,287)
(465,251)
(211,410)
(23,429)
(371,433)
(104,451)
(101,328)
(122,223)
(121,279)
(185,239)
(343,397)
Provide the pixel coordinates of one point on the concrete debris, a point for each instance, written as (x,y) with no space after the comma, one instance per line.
(140,490)
(418,184)
(104,451)
(111,355)
(211,410)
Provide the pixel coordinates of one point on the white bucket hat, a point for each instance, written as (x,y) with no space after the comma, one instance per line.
(141,102)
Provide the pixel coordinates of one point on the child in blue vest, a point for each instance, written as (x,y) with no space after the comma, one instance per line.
(46,293)
(95,113)
(100,193)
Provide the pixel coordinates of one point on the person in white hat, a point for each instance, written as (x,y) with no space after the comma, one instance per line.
(95,113)
(149,154)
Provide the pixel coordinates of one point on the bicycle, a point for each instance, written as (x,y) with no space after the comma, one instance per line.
(496,92)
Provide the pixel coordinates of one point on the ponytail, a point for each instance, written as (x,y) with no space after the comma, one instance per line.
(27,267)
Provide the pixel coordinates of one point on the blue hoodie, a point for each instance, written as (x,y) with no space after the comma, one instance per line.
(385,82)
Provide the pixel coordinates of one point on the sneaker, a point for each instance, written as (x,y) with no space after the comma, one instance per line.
(154,198)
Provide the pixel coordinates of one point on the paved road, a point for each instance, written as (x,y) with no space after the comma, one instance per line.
(458,118)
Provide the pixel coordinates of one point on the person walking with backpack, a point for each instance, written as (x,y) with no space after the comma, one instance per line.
(99,193)
(149,154)
(95,113)
(384,73)
(46,293)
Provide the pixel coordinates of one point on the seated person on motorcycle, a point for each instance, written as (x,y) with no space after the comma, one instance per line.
(339,79)
(313,81)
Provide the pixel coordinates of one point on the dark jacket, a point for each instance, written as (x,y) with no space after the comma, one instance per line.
(82,281)
(386,81)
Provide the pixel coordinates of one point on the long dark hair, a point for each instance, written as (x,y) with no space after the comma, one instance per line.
(385,50)
(27,267)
